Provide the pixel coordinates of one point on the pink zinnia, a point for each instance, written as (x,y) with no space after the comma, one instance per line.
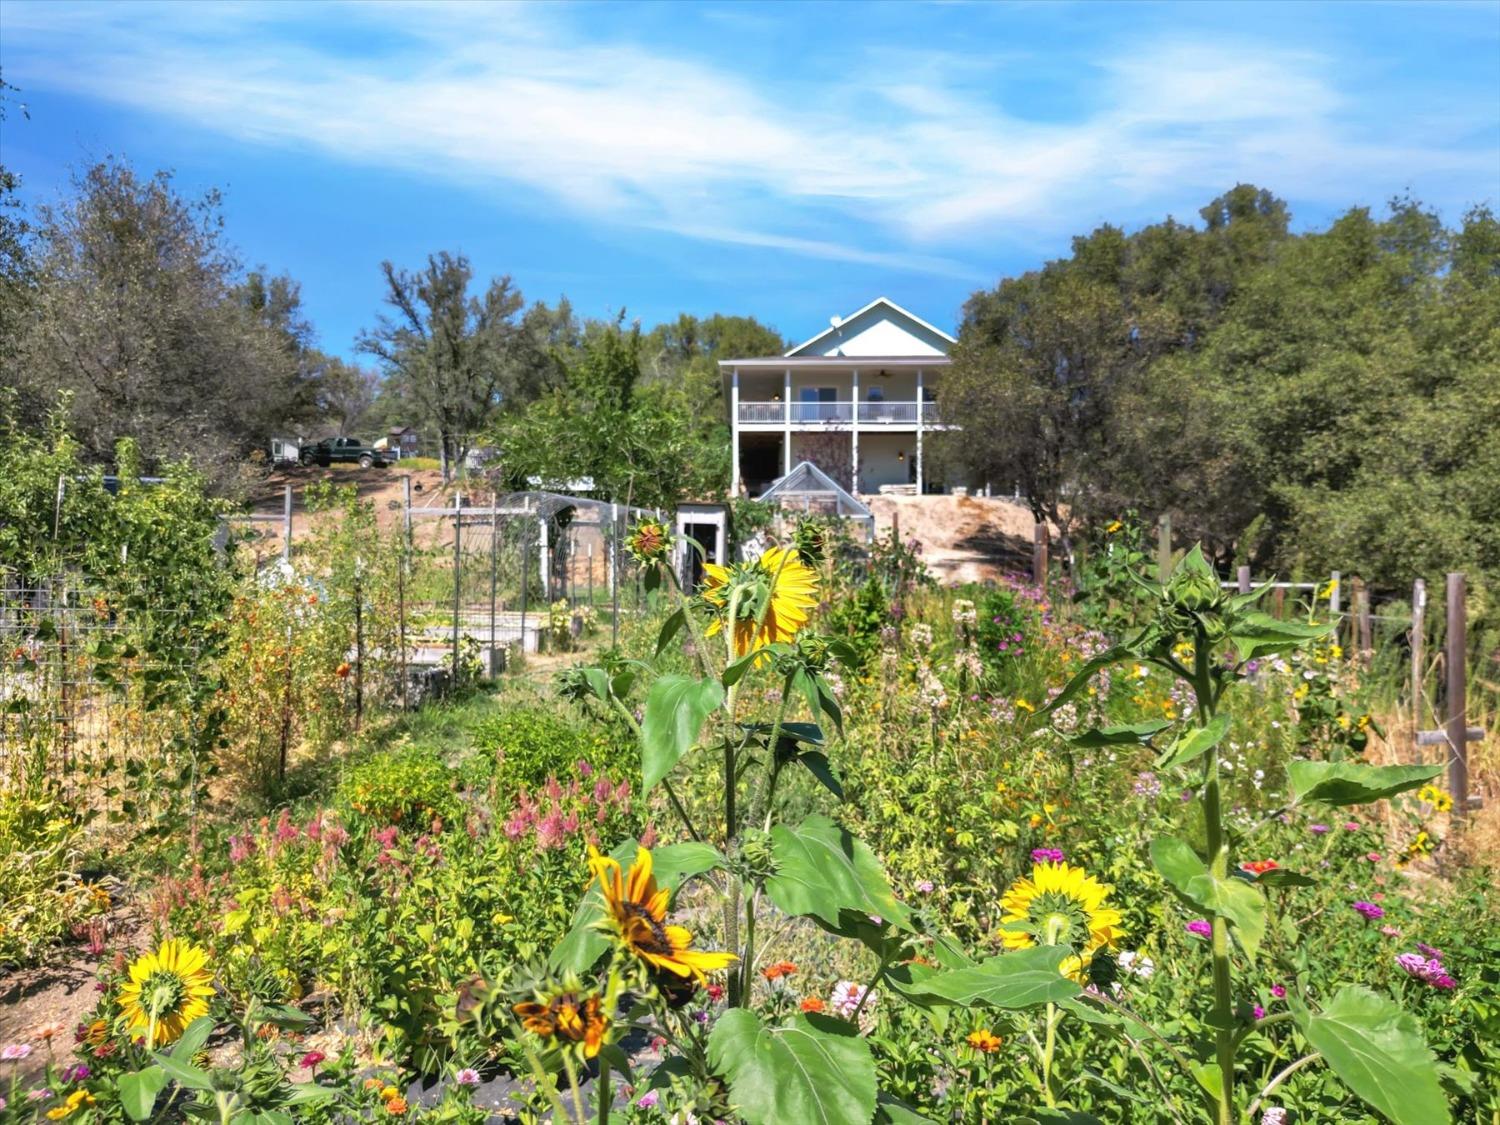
(311,1060)
(1369,910)
(468,1076)
(14,1052)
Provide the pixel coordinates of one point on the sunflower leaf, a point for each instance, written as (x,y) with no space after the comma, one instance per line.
(1354,783)
(138,1091)
(1378,1051)
(812,1068)
(672,865)
(676,707)
(1022,979)
(822,870)
(1135,734)
(1195,743)
(1235,899)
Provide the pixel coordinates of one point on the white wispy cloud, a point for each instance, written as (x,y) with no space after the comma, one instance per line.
(923,157)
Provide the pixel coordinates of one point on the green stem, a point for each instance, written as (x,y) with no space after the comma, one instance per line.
(1047,1052)
(604,1094)
(731,810)
(1218,859)
(572,1072)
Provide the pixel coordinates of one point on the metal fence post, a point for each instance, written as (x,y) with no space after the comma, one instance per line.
(286,525)
(1457,724)
(458,525)
(1163,548)
(614,574)
(494,578)
(1243,578)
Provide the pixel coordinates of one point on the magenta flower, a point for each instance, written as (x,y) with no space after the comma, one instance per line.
(468,1076)
(1369,910)
(1351,826)
(14,1052)
(1278,991)
(1046,855)
(1200,926)
(1429,970)
(1317,829)
(311,1060)
(925,886)
(1258,1012)
(1431,951)
(648,1100)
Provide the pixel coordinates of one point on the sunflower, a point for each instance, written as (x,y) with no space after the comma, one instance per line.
(774,592)
(1060,905)
(639,912)
(567,1015)
(167,991)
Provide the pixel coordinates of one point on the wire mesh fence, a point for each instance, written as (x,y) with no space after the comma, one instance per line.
(101,699)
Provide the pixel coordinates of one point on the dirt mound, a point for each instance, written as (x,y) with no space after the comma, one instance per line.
(964,538)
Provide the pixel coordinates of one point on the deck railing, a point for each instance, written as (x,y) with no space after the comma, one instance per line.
(838,413)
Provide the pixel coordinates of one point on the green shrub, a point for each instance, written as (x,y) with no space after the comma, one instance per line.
(1001,628)
(529,745)
(407,787)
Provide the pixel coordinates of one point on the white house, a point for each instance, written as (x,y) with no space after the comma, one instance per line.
(857,400)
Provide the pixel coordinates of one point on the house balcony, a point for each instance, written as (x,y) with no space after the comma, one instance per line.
(814,415)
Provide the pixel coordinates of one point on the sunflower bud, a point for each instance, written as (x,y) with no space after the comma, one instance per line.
(649,541)
(811,541)
(755,850)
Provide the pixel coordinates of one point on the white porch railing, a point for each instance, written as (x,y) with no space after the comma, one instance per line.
(834,413)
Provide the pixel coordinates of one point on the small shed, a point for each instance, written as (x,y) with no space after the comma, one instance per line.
(708,525)
(403,441)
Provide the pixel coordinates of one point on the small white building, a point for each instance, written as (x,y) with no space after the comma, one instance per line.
(858,400)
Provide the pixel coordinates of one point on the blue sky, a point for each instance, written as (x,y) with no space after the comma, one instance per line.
(779,160)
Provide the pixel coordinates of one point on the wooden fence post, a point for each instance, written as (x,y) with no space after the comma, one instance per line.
(1278,602)
(1457,724)
(1361,634)
(1163,548)
(1417,640)
(1039,555)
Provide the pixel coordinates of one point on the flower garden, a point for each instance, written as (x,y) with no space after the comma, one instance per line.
(819,841)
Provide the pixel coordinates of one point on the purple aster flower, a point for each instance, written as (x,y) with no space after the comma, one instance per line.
(1200,926)
(1431,951)
(78,1072)
(1317,829)
(1369,910)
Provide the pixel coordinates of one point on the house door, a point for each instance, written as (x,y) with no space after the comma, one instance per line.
(818,404)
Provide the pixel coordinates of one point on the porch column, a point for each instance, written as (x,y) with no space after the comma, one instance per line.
(734,429)
(854,437)
(921,409)
(786,413)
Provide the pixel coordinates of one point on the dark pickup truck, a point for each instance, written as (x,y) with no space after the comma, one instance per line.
(345,449)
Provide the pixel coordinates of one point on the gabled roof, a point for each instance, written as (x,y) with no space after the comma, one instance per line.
(881,308)
(808,481)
